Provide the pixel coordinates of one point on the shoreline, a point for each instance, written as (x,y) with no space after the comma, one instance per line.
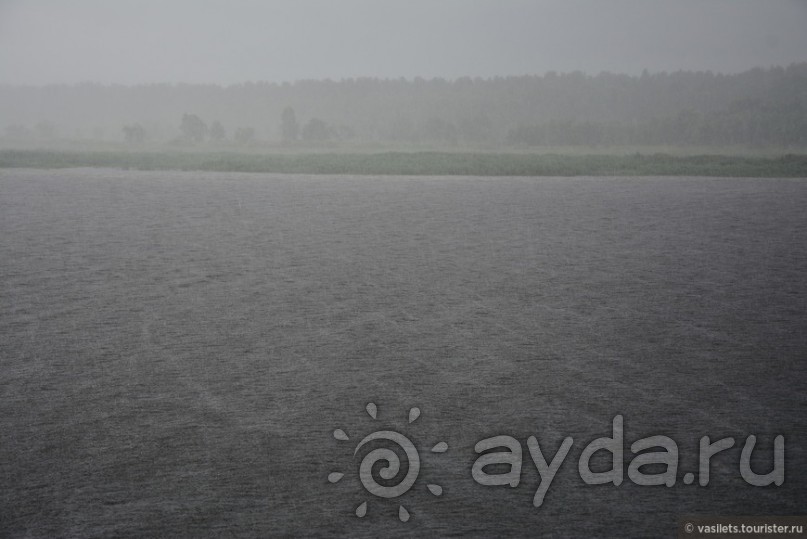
(420,163)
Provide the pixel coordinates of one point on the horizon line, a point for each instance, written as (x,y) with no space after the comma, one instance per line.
(412,79)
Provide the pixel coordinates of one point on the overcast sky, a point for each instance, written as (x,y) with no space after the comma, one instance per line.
(231,41)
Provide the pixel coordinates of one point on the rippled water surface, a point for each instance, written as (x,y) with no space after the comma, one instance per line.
(176,349)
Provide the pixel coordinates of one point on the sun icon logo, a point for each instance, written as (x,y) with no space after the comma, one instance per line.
(389,468)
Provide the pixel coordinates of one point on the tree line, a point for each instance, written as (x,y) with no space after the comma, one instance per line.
(759,107)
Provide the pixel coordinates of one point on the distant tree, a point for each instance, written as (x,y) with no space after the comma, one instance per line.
(345,132)
(134,134)
(757,107)
(217,132)
(529,135)
(439,130)
(193,128)
(476,128)
(402,129)
(17,131)
(244,135)
(317,130)
(45,130)
(289,128)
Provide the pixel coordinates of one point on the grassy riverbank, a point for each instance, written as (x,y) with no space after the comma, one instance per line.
(421,163)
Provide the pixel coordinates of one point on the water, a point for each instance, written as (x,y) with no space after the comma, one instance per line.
(178,348)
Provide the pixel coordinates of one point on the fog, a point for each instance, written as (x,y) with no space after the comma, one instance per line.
(239,238)
(226,42)
(370,73)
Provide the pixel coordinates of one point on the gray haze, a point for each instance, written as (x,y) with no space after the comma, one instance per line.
(217,41)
